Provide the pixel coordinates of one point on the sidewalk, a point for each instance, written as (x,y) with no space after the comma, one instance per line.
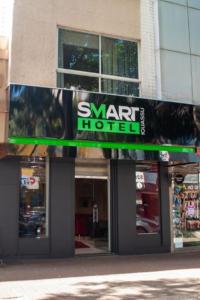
(159,276)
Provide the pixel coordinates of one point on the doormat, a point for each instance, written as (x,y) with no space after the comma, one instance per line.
(79,244)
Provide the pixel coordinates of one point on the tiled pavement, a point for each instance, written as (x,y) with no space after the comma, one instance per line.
(163,276)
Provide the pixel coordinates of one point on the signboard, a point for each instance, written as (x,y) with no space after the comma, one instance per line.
(178,241)
(110,118)
(30,182)
(139,177)
(164,156)
(140,180)
(61,117)
(179,178)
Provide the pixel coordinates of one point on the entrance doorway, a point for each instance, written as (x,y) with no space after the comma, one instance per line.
(91,216)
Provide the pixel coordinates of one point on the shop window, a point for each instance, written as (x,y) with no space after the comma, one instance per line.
(33,217)
(147,199)
(186,206)
(97,63)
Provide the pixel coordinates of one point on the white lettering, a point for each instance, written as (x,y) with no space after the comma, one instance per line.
(125,113)
(84,109)
(134,109)
(118,113)
(112,113)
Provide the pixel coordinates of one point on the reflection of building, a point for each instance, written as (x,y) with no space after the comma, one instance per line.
(83,130)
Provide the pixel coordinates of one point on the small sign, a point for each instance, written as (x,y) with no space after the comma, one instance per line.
(140,177)
(139,185)
(179,178)
(139,201)
(140,180)
(164,155)
(178,241)
(30,182)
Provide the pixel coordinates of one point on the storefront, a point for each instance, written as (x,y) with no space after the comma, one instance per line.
(94,173)
(185,206)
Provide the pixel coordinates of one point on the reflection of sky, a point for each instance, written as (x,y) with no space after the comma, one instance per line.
(16,91)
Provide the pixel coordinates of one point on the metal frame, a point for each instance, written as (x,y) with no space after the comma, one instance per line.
(96,75)
(47,171)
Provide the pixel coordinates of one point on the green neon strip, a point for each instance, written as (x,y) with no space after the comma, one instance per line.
(88,124)
(95,144)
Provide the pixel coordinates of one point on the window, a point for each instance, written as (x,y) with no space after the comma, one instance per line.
(186,205)
(147,199)
(33,194)
(97,63)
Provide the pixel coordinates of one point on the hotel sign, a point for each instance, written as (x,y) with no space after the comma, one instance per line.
(60,117)
(111,118)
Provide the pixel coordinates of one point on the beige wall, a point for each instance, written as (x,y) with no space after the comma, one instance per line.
(34,40)
(3,86)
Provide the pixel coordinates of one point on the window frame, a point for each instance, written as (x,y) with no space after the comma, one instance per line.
(99,75)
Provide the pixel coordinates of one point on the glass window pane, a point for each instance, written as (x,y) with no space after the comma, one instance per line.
(32,206)
(78,82)
(119,57)
(186,206)
(120,87)
(78,51)
(147,199)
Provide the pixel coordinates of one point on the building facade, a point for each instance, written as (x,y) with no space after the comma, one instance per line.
(100,128)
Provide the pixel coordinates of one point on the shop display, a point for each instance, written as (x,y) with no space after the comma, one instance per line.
(186,212)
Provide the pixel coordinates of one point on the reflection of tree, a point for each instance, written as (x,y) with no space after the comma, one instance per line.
(196,116)
(119,57)
(174,123)
(40,112)
(36,112)
(81,58)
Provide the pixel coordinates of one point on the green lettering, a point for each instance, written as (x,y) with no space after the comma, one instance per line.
(97,112)
(87,124)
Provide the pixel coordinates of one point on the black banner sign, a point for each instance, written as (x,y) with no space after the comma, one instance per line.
(61,114)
